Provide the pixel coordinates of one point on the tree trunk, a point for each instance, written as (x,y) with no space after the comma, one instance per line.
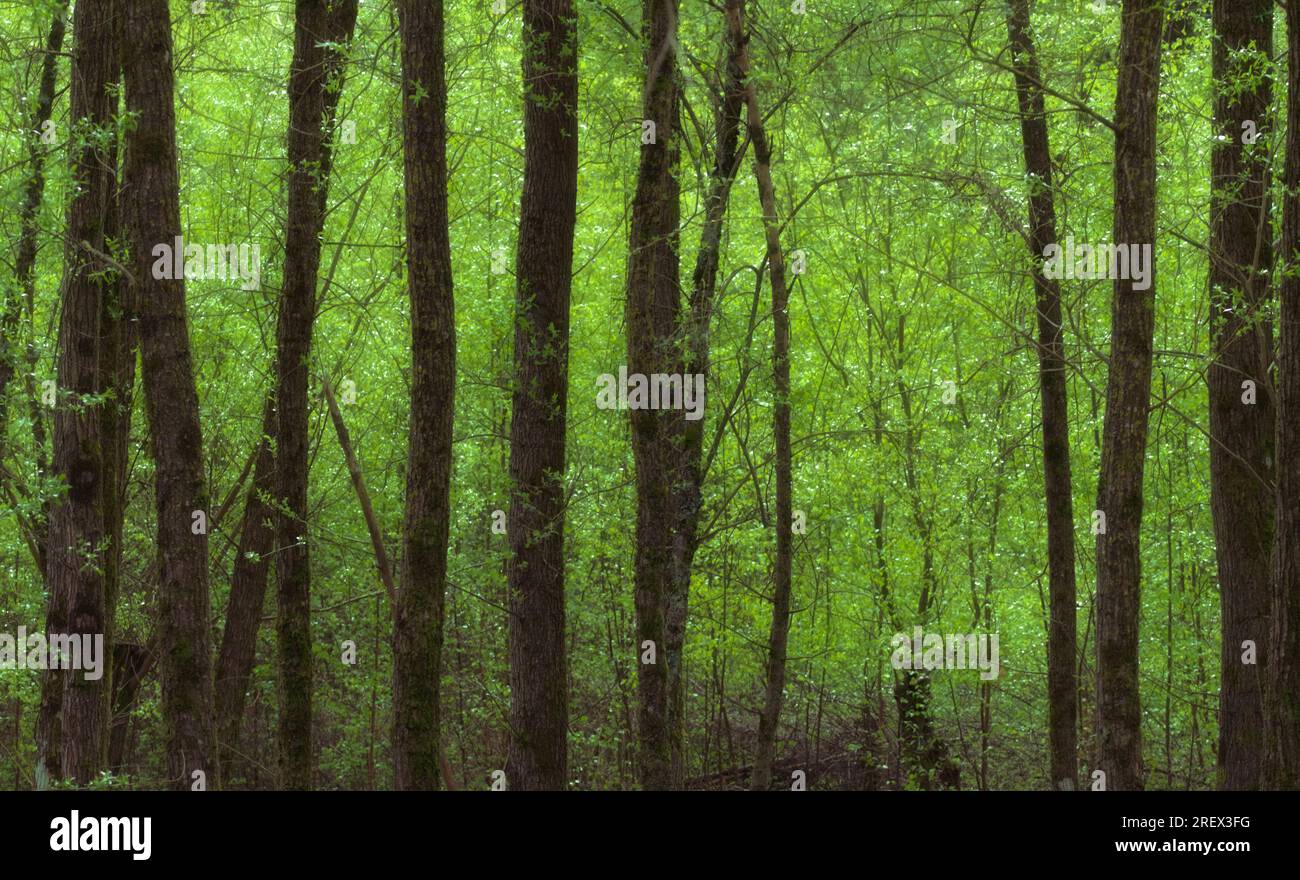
(1241,435)
(538,757)
(1281,766)
(1062,685)
(118,339)
(151,214)
(1128,393)
(417,641)
(33,192)
(238,652)
(653,301)
(318,27)
(75,580)
(779,633)
(698,325)
(131,663)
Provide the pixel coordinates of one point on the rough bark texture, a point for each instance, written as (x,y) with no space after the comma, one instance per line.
(417,642)
(779,634)
(1128,391)
(318,27)
(1282,707)
(75,579)
(538,757)
(247,596)
(1062,682)
(118,339)
(151,214)
(1241,444)
(653,301)
(688,488)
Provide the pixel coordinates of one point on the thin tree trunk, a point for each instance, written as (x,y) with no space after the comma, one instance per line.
(1242,435)
(1282,708)
(131,663)
(1062,685)
(29,213)
(75,579)
(651,313)
(363,495)
(697,329)
(1128,393)
(779,633)
(417,642)
(319,27)
(151,214)
(238,652)
(538,755)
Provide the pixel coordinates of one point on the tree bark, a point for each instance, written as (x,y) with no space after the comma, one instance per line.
(1241,435)
(151,214)
(318,27)
(538,755)
(75,580)
(1282,708)
(248,578)
(417,641)
(1062,684)
(697,326)
(651,313)
(779,634)
(1128,392)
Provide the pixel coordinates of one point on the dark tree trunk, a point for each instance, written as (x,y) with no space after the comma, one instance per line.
(1241,434)
(75,580)
(238,651)
(118,340)
(1281,766)
(418,623)
(538,757)
(1062,684)
(151,215)
(131,663)
(651,314)
(697,326)
(1128,393)
(318,27)
(33,192)
(779,634)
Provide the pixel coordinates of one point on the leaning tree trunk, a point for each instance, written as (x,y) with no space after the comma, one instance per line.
(151,215)
(1128,393)
(418,623)
(238,651)
(539,722)
(1241,433)
(1062,681)
(74,578)
(1281,765)
(319,27)
(651,312)
(779,633)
